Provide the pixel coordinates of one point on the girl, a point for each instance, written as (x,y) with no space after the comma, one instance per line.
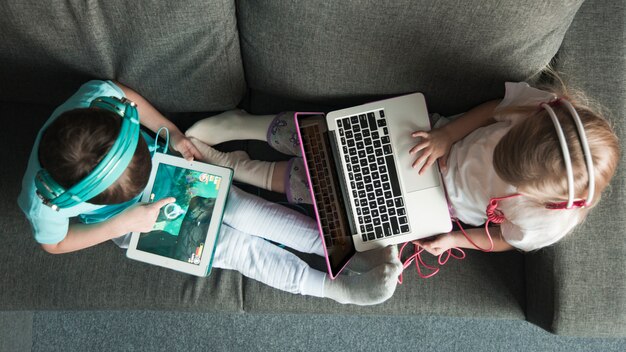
(503,163)
(507,162)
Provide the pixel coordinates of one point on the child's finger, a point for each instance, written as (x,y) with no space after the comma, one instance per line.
(420,160)
(163,202)
(418,147)
(419,134)
(429,163)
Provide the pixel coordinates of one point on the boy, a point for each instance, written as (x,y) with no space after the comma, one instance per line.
(69,146)
(74,141)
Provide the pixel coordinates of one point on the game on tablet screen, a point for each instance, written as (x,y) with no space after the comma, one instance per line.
(181,227)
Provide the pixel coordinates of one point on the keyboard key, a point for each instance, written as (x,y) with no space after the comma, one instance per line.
(387,149)
(393,176)
(399,202)
(354,119)
(401,211)
(379,231)
(382,123)
(387,229)
(395,228)
(372,120)
(385,140)
(403,220)
(346,123)
(382,113)
(404,228)
(371,236)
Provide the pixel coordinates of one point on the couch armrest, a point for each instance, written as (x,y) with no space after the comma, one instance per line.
(578,287)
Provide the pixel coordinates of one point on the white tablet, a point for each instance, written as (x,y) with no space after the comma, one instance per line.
(186,231)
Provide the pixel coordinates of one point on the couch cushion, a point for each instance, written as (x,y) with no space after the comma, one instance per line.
(181,57)
(96,278)
(458,53)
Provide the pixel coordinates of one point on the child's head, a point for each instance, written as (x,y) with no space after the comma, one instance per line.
(73,145)
(529,156)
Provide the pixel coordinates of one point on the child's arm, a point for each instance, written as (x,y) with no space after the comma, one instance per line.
(138,218)
(153,119)
(443,242)
(437,142)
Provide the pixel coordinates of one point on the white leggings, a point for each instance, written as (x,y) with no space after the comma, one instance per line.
(250,220)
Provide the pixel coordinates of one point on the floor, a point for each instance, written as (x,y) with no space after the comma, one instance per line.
(176,331)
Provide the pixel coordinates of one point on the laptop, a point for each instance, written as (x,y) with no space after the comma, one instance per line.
(186,231)
(365,193)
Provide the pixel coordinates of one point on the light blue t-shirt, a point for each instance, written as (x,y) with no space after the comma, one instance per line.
(50,226)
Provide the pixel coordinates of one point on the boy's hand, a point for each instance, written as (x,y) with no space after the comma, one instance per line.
(141,216)
(435,144)
(183,145)
(439,244)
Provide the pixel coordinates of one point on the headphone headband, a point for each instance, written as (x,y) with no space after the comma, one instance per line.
(566,156)
(108,170)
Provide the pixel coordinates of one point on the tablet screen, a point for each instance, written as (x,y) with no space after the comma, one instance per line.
(181,228)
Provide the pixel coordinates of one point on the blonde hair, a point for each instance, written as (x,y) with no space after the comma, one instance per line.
(529,156)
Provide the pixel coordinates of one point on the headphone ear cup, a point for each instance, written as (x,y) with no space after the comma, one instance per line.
(46,186)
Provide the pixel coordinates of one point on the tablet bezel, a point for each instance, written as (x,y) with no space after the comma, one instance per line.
(204,268)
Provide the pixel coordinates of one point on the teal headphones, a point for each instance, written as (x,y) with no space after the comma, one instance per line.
(107,171)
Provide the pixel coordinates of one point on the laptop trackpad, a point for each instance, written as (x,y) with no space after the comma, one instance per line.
(409,176)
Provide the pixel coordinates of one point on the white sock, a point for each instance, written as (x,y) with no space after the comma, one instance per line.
(253,172)
(231,125)
(372,287)
(363,262)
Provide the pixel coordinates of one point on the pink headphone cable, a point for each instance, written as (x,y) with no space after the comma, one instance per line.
(493,216)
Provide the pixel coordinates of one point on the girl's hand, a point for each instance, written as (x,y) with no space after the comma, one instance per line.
(435,144)
(141,216)
(180,143)
(439,244)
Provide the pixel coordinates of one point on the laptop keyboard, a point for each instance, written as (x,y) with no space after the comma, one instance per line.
(326,197)
(374,183)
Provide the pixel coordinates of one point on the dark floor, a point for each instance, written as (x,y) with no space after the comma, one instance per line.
(174,331)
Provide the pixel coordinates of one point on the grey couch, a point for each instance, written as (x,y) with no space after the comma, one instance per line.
(193,58)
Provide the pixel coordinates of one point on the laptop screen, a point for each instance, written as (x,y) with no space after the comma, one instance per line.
(181,228)
(324,181)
